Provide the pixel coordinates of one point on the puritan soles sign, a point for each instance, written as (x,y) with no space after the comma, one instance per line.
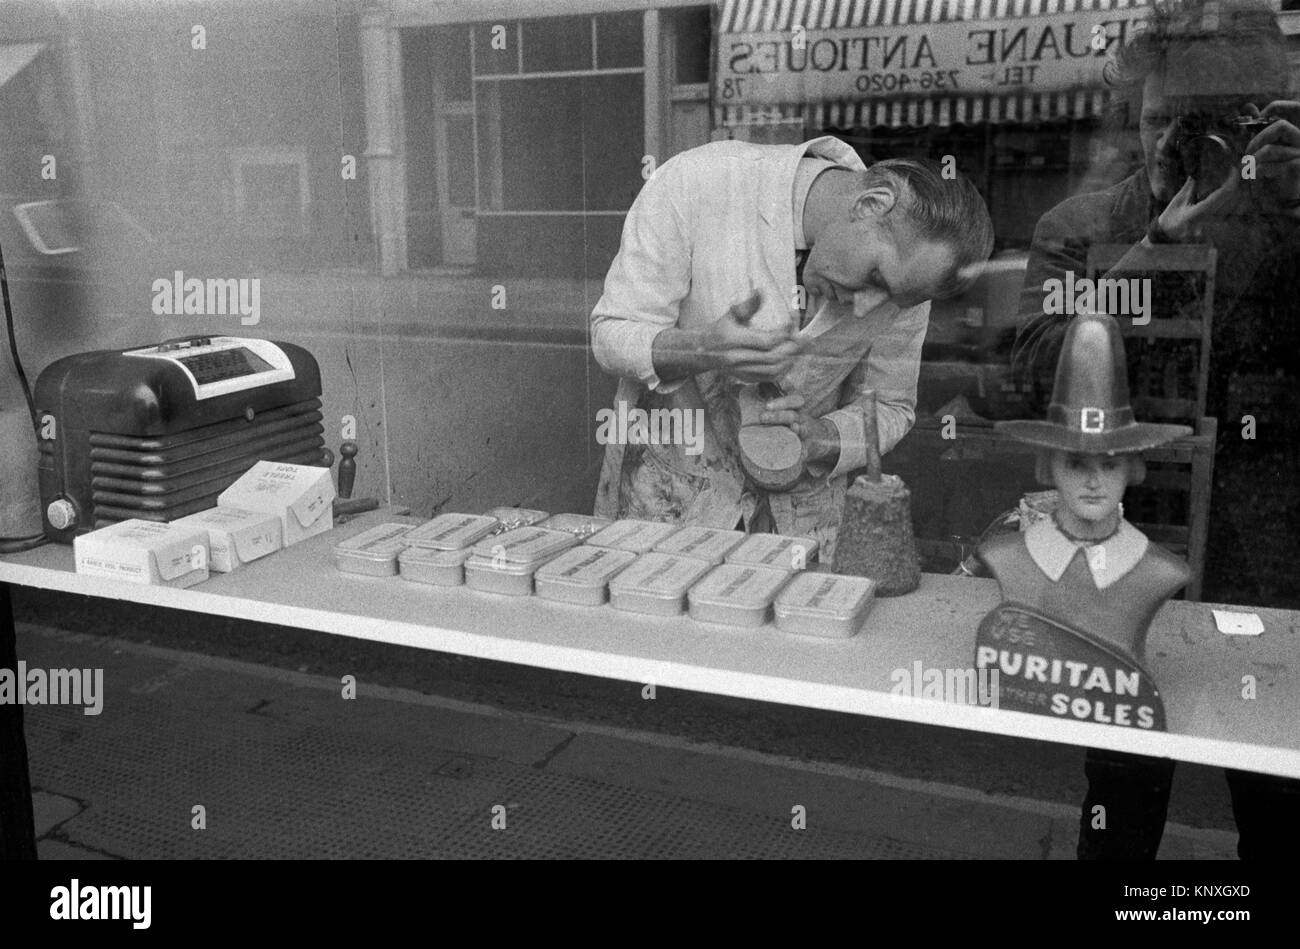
(1049,669)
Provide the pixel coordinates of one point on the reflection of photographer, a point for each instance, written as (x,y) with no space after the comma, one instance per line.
(1207,85)
(1221,166)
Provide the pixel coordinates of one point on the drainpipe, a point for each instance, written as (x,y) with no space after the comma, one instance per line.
(382,67)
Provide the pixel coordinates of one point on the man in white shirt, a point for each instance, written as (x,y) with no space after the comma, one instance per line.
(703,299)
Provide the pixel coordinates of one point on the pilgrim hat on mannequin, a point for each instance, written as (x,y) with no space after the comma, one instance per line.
(1090,411)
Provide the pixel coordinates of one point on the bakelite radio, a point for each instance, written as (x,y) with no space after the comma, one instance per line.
(157,432)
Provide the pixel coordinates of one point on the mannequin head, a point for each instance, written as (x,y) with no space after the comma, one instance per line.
(1091,487)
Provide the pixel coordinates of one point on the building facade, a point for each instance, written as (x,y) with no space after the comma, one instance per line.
(525,140)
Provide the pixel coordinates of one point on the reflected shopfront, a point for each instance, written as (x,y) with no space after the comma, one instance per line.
(1013,93)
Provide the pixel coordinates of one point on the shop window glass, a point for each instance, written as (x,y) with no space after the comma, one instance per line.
(460,161)
(613,140)
(692,32)
(496,52)
(558,44)
(454,65)
(618,40)
(564,144)
(272,203)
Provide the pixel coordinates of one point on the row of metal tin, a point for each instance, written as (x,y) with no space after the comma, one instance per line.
(719,576)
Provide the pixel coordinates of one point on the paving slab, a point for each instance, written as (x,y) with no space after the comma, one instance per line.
(923,820)
(51,810)
(196,757)
(49,849)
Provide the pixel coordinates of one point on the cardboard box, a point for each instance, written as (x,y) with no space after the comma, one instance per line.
(149,552)
(301,495)
(236,537)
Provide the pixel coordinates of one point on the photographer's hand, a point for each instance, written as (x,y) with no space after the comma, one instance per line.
(1210,220)
(1277,157)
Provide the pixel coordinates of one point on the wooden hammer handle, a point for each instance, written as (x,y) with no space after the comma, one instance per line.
(872,433)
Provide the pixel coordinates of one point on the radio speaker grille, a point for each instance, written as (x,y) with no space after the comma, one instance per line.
(163,478)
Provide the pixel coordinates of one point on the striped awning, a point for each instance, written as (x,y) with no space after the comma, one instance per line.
(767,16)
(919,113)
(763,19)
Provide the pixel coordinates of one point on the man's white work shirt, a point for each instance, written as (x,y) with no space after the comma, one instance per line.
(711,225)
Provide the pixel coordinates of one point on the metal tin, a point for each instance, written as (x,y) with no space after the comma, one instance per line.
(445,568)
(497,576)
(776,551)
(824,604)
(372,552)
(512,518)
(656,583)
(452,531)
(736,594)
(505,563)
(702,543)
(529,546)
(636,536)
(581,575)
(581,526)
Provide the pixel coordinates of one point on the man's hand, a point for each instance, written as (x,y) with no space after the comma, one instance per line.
(751,355)
(1277,157)
(820,437)
(1210,220)
(729,345)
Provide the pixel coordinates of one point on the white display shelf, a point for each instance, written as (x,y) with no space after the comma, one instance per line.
(1201,672)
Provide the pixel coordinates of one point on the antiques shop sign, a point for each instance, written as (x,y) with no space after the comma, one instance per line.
(1027,54)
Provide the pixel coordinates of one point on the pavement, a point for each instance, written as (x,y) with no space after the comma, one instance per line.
(194,756)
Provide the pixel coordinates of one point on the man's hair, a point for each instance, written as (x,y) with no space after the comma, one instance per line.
(1236,44)
(941,210)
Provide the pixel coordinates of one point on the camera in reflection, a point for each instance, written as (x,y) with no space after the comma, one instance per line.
(1210,154)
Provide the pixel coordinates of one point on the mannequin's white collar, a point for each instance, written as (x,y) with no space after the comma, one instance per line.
(1109,561)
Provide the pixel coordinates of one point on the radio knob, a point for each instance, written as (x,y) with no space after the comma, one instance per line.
(61,514)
